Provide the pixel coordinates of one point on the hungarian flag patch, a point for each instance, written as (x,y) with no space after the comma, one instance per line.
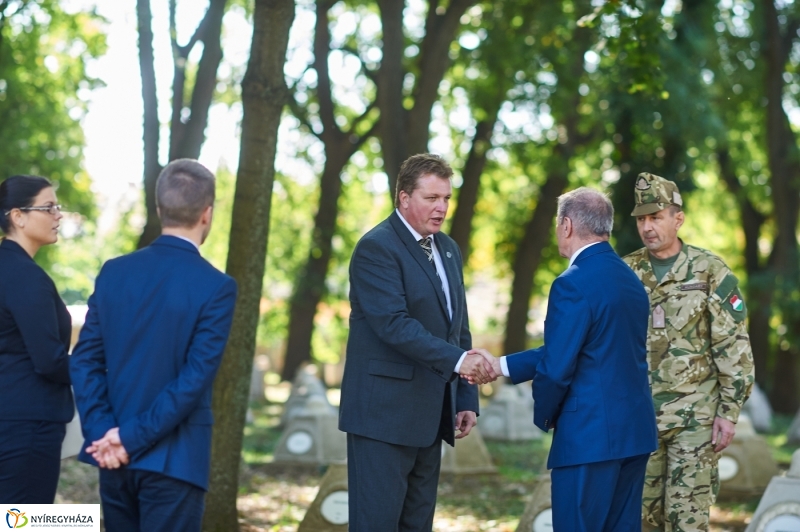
(736,302)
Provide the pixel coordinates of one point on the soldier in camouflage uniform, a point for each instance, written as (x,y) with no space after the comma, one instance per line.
(701,364)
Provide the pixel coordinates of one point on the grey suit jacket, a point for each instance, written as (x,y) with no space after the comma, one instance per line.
(403,347)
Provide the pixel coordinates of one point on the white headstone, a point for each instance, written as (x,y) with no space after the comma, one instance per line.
(304,387)
(509,417)
(746,465)
(538,513)
(312,437)
(779,508)
(793,436)
(758,409)
(469,456)
(329,511)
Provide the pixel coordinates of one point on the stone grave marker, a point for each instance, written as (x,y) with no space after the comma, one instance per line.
(329,511)
(304,386)
(779,509)
(747,465)
(312,436)
(538,514)
(759,410)
(793,436)
(469,456)
(509,417)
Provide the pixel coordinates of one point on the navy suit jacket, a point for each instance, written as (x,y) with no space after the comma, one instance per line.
(153,340)
(35,330)
(590,378)
(403,347)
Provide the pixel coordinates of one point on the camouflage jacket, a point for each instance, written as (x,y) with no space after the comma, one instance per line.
(701,364)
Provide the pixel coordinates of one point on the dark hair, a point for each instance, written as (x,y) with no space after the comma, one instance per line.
(417,166)
(19,191)
(183,190)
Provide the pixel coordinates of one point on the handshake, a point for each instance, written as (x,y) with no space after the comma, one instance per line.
(480,367)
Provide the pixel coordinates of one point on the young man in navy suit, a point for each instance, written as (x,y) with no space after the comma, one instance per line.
(590,378)
(144,366)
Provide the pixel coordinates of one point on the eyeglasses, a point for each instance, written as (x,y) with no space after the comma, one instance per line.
(49,209)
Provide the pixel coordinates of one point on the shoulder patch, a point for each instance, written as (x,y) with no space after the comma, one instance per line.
(732,300)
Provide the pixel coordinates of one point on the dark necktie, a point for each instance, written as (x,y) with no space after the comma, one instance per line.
(428,249)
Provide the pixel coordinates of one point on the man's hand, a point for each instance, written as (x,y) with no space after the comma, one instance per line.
(464,422)
(483,367)
(722,433)
(476,369)
(108,451)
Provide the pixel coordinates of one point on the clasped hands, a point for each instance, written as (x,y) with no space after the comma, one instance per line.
(480,367)
(108,451)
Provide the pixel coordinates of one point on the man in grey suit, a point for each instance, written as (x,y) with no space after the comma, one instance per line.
(409,337)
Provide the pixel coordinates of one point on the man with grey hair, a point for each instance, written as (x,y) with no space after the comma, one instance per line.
(590,376)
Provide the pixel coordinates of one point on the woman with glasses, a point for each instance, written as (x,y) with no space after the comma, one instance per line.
(35,330)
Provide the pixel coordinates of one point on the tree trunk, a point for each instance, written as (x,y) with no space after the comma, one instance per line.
(151,135)
(186,134)
(264,94)
(461,224)
(390,91)
(784,168)
(527,259)
(759,286)
(537,231)
(406,132)
(190,140)
(310,286)
(339,148)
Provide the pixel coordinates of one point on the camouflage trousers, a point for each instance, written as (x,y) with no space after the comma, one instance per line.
(681,482)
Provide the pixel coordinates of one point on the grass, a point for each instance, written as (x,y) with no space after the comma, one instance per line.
(275,497)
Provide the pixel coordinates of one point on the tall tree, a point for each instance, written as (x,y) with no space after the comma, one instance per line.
(780,30)
(44,51)
(188,122)
(264,95)
(568,67)
(340,145)
(405,131)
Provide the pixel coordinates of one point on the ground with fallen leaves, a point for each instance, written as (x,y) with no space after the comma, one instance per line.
(275,497)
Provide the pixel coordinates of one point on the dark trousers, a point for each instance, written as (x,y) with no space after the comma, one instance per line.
(392,488)
(136,501)
(30,461)
(599,497)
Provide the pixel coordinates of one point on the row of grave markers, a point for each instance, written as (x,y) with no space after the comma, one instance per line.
(311,436)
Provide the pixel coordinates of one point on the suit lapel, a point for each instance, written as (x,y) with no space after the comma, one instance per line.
(420,257)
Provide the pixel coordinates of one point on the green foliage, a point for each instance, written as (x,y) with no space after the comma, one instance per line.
(44,86)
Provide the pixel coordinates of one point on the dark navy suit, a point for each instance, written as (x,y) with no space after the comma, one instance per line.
(400,395)
(35,330)
(590,384)
(145,362)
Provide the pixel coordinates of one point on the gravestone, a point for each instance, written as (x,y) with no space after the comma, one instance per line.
(304,386)
(509,417)
(538,514)
(328,512)
(746,465)
(758,409)
(469,456)
(257,384)
(312,436)
(779,508)
(793,436)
